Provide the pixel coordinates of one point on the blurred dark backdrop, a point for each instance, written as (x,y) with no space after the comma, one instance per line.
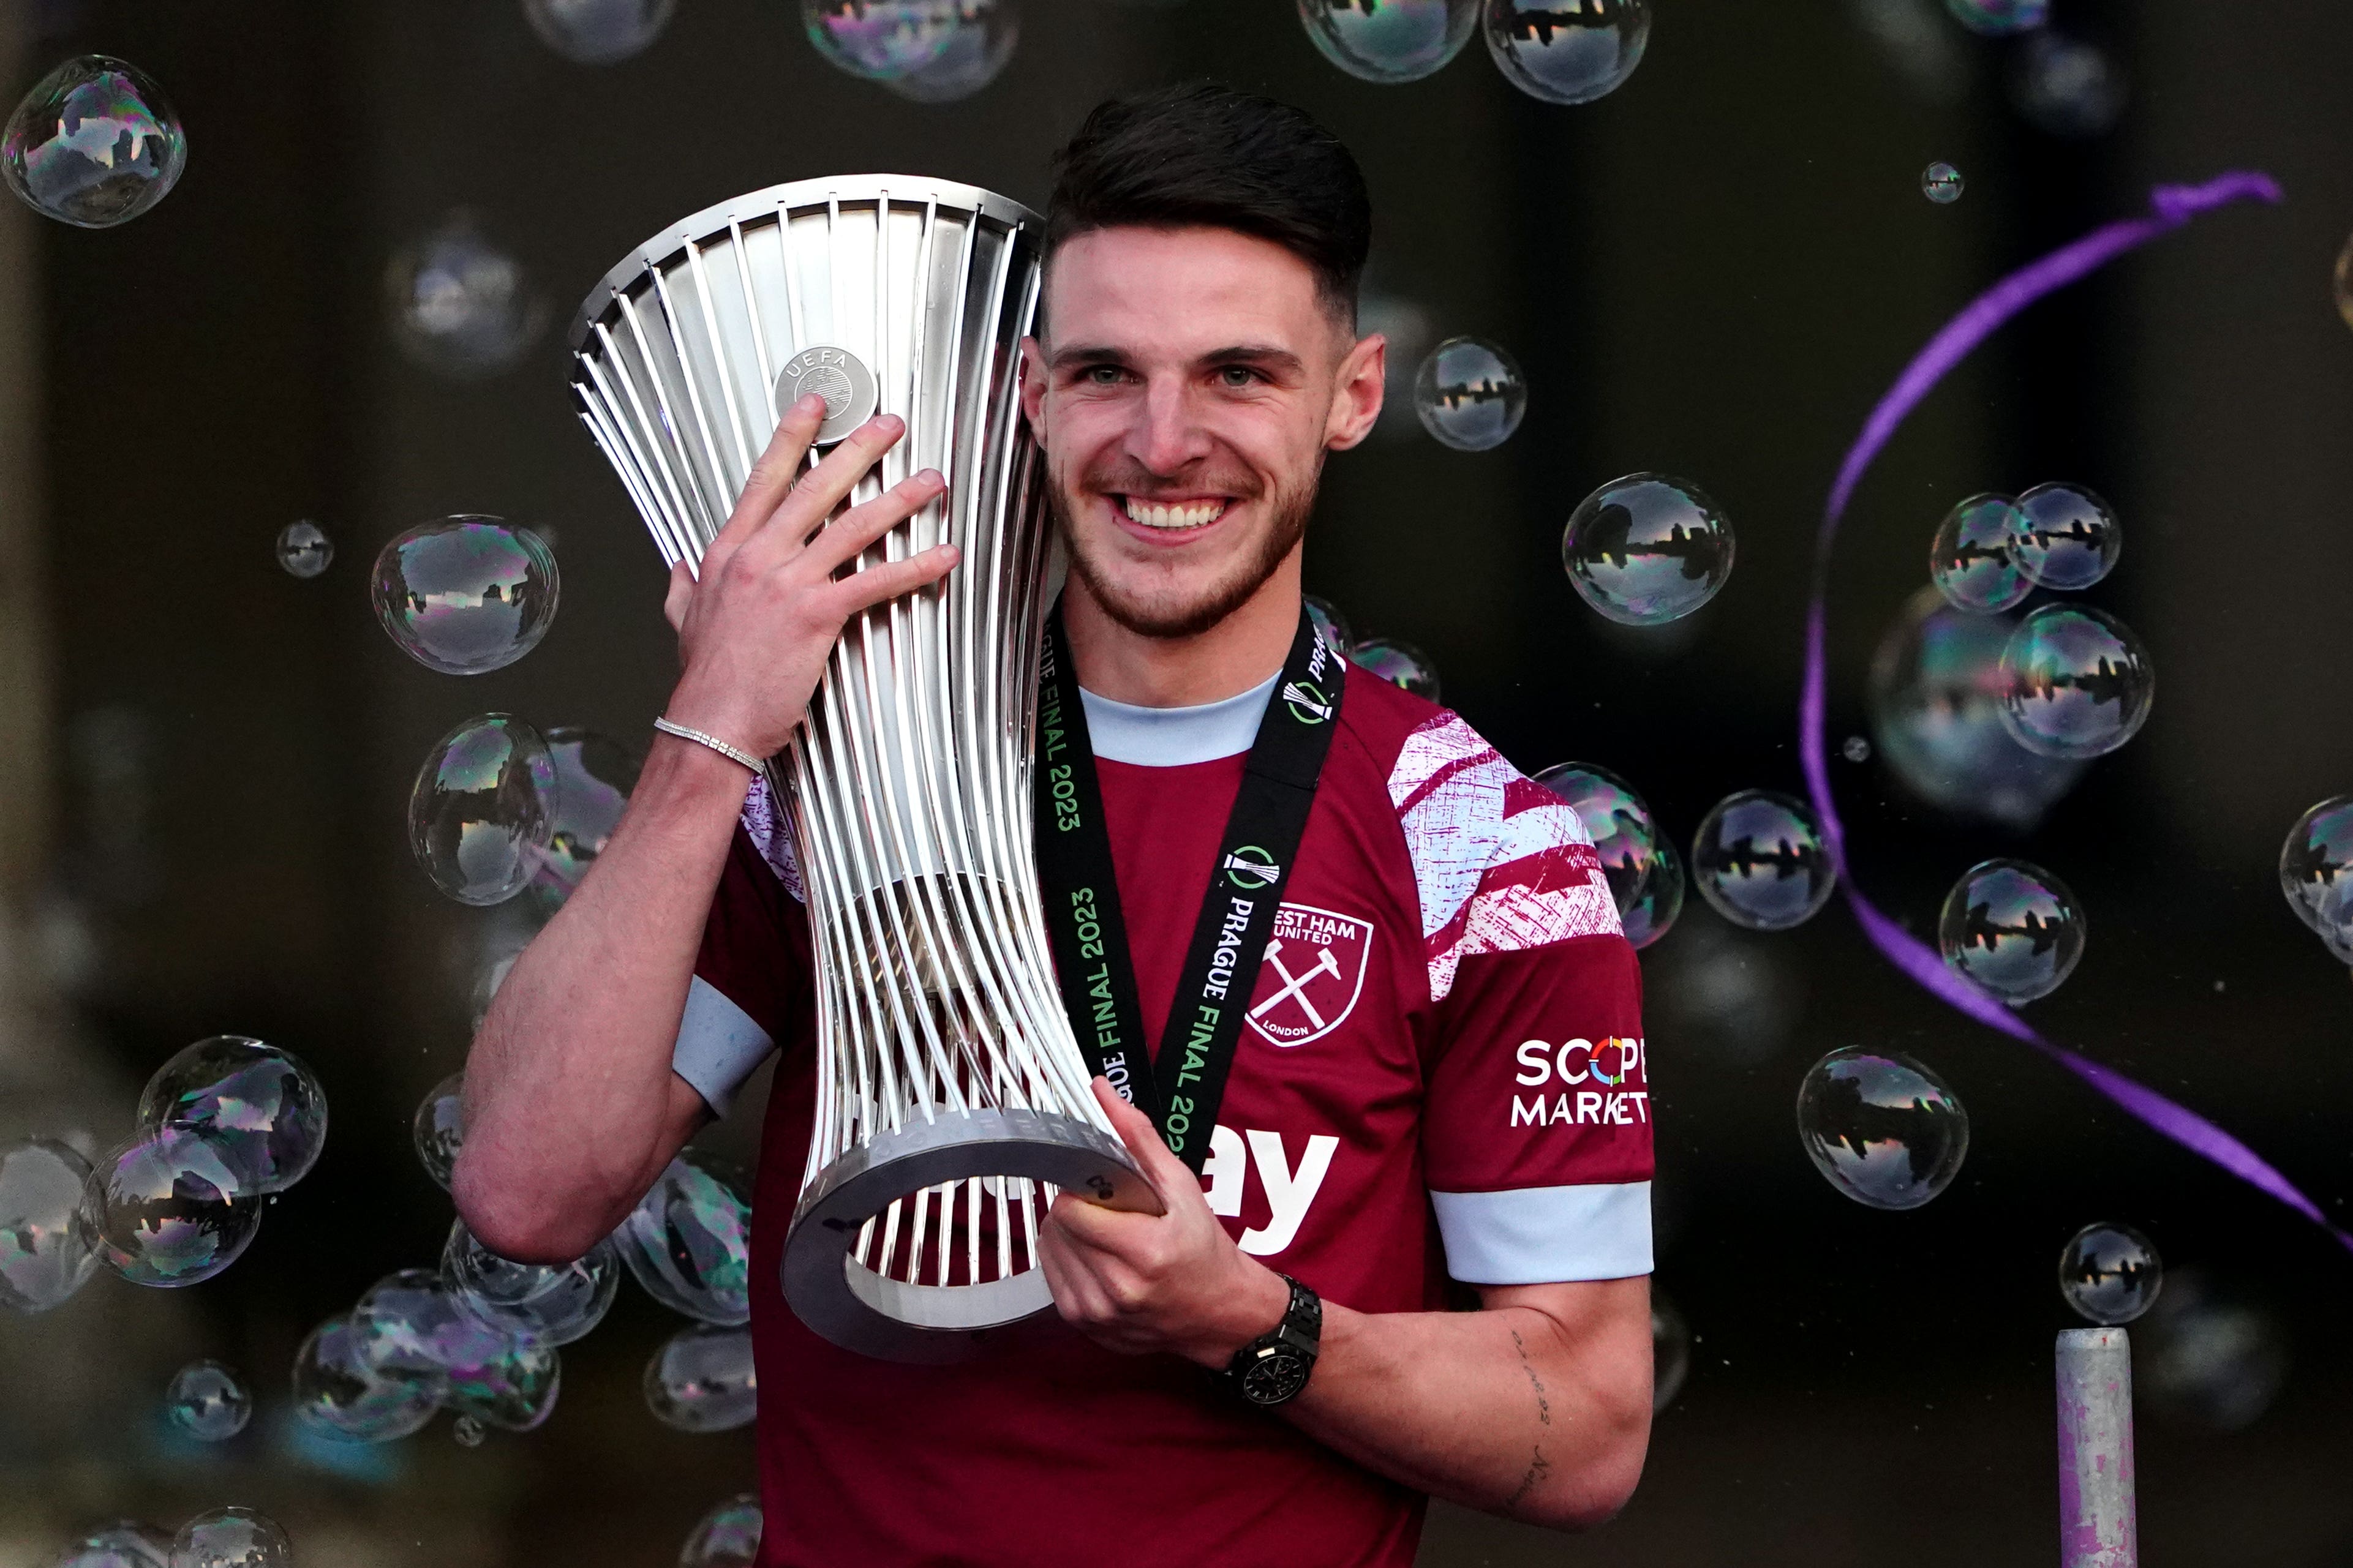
(1713,272)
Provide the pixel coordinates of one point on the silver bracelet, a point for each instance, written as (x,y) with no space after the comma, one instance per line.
(732,753)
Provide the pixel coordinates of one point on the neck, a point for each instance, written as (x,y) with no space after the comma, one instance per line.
(1237,653)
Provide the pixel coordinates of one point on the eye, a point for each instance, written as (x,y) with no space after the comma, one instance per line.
(1236,377)
(1102,376)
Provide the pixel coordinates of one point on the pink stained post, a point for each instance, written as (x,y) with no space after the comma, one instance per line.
(2098,1525)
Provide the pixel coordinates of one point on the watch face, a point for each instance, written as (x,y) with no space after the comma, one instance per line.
(1275,1376)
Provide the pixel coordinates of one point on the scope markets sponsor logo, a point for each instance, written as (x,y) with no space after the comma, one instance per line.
(1597,1080)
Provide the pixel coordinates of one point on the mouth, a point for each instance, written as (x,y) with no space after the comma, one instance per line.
(1176,517)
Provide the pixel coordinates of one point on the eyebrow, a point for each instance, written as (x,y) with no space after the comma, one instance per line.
(1265,355)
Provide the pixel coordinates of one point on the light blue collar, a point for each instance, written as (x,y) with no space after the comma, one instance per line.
(1171,737)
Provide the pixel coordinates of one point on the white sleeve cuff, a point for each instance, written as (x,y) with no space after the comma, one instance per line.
(718,1047)
(1546,1236)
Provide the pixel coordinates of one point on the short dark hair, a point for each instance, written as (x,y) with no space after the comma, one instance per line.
(1199,153)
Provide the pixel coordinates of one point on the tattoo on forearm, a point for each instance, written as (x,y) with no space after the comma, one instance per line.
(1537,1466)
(1538,1463)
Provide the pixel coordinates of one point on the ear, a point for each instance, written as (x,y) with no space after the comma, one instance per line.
(1033,387)
(1356,393)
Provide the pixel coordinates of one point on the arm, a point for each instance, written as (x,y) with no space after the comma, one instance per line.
(1537,1407)
(571,1109)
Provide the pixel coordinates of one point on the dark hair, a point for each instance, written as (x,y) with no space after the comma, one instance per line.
(1204,155)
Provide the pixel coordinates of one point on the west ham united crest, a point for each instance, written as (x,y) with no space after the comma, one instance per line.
(1315,969)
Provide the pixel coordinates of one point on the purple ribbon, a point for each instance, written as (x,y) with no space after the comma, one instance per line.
(2171,207)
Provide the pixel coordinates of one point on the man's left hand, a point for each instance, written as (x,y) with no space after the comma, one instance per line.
(1174,1281)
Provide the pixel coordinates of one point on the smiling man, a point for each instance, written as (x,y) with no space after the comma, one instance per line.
(1390,1027)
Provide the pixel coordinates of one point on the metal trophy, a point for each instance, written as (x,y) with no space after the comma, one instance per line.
(952,1098)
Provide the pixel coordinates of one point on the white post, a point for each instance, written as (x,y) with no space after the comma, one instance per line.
(2097,1525)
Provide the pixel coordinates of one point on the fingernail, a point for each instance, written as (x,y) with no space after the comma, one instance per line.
(809,403)
(933,476)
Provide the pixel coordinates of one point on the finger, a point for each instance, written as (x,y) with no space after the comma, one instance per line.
(679,596)
(1162,1172)
(825,487)
(1077,1295)
(889,579)
(856,531)
(1105,1232)
(771,480)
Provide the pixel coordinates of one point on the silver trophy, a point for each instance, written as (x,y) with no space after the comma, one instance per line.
(952,1098)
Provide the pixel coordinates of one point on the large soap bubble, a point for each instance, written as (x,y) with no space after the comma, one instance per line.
(2315,872)
(702,1380)
(478,816)
(409,1327)
(1470,393)
(438,1127)
(1390,40)
(1973,560)
(598,32)
(1567,51)
(554,1302)
(726,1537)
(304,549)
(126,1543)
(232,1538)
(260,1107)
(208,1401)
(166,1209)
(2000,15)
(94,145)
(2075,682)
(466,595)
(1884,1130)
(337,1392)
(976,52)
(881,39)
(45,1251)
(1647,549)
(1399,663)
(1761,861)
(462,306)
(1645,879)
(2012,929)
(594,776)
(1936,701)
(2110,1274)
(688,1240)
(2067,537)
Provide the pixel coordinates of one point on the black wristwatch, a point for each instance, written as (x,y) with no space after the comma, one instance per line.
(1273,1367)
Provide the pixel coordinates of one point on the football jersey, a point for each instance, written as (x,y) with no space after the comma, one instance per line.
(1441,1075)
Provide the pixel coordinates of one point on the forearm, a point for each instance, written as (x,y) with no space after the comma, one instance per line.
(1509,1410)
(571,1105)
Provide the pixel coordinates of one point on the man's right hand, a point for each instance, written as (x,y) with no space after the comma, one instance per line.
(754,629)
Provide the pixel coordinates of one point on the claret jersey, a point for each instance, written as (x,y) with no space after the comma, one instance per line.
(1441,1076)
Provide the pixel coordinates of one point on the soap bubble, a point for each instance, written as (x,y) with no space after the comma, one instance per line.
(478,816)
(1470,393)
(45,1252)
(438,1127)
(1567,51)
(2012,929)
(94,145)
(2316,871)
(2110,1274)
(409,1326)
(594,776)
(2208,1360)
(728,1536)
(881,39)
(466,595)
(2067,538)
(261,1108)
(688,1240)
(304,550)
(1649,917)
(2075,682)
(337,1392)
(1942,183)
(1884,1130)
(166,1209)
(1646,549)
(462,306)
(552,1302)
(208,1401)
(468,1432)
(702,1380)
(2000,15)
(1973,560)
(1390,40)
(1760,861)
(232,1538)
(1400,664)
(598,32)
(1633,857)
(1936,701)
(1856,748)
(2066,87)
(977,51)
(1669,1352)
(126,1543)
(1330,624)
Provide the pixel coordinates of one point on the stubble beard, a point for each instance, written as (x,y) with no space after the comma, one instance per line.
(1162,617)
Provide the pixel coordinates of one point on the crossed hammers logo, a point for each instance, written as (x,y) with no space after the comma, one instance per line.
(1295,986)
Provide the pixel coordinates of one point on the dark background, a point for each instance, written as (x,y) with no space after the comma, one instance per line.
(1713,272)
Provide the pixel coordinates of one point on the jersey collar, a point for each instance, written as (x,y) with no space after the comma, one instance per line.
(1172,737)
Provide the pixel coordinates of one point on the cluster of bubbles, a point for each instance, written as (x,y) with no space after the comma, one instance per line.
(1562,51)
(2315,872)
(1941,184)
(304,549)
(598,32)
(224,1538)
(496,807)
(2012,929)
(460,304)
(1646,878)
(726,1537)
(2110,1274)
(1882,1128)
(1470,393)
(1647,549)
(95,143)
(1399,662)
(1991,550)
(931,51)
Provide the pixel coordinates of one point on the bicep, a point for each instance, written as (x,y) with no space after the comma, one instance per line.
(1597,1330)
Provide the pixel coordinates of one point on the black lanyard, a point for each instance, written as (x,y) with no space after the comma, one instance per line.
(1182,1090)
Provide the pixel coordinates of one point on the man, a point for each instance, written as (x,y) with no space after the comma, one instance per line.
(1441,1071)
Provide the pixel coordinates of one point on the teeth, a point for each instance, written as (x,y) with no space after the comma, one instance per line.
(1187,514)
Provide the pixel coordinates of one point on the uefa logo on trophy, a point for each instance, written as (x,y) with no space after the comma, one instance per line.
(951,1097)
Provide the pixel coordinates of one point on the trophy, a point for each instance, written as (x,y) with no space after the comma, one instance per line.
(951,1097)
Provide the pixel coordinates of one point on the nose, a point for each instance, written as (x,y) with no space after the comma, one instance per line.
(1165,435)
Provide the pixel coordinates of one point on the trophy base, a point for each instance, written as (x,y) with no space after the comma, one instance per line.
(860,1309)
